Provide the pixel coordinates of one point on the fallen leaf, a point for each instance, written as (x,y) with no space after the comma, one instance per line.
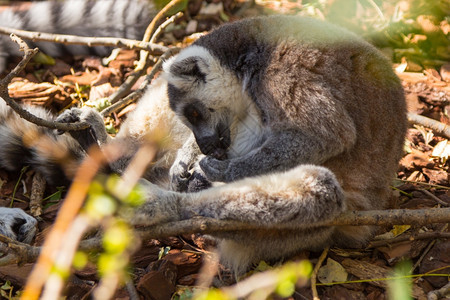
(437,257)
(332,272)
(43,93)
(438,177)
(441,150)
(101,91)
(416,160)
(399,229)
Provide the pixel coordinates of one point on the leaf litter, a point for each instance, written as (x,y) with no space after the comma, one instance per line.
(360,273)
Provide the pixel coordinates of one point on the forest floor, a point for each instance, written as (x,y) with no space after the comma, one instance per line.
(170,267)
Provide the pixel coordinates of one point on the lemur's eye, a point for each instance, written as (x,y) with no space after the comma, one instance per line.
(194,114)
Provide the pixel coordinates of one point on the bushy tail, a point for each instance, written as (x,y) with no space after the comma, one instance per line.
(101,18)
(23,143)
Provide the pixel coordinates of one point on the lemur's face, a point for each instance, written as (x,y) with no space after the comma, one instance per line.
(206,97)
(210,126)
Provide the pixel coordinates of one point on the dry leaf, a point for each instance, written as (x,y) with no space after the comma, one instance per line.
(332,272)
(441,150)
(399,229)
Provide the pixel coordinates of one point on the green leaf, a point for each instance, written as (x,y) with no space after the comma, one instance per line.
(44,59)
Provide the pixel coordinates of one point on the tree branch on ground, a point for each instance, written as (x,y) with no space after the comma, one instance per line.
(438,127)
(211,226)
(88,41)
(23,113)
(409,237)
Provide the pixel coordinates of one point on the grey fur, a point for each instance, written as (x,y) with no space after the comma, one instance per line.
(17,225)
(288,91)
(304,119)
(118,18)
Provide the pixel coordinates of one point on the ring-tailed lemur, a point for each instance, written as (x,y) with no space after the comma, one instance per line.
(118,18)
(300,119)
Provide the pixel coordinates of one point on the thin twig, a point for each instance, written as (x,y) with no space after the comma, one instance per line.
(415,237)
(436,126)
(131,289)
(37,194)
(163,26)
(87,41)
(424,183)
(427,249)
(315,271)
(23,113)
(435,198)
(144,61)
(151,28)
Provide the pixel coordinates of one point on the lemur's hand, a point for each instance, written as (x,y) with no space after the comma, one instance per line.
(216,170)
(186,177)
(95,134)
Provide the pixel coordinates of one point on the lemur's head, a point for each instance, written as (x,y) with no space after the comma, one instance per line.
(207,97)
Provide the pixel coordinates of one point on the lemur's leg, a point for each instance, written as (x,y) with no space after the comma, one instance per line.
(304,196)
(17,225)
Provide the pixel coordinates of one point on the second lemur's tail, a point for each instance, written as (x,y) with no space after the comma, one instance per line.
(101,18)
(23,143)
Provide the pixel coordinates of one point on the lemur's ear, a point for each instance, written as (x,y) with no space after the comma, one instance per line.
(192,66)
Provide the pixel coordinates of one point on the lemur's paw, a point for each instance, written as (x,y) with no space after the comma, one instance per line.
(179,175)
(216,170)
(95,134)
(17,225)
(71,115)
(187,178)
(198,182)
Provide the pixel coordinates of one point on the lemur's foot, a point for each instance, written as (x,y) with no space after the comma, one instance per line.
(17,225)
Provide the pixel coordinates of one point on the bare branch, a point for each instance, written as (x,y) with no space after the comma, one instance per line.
(151,28)
(23,253)
(37,193)
(409,237)
(436,126)
(441,293)
(23,113)
(141,67)
(351,218)
(88,41)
